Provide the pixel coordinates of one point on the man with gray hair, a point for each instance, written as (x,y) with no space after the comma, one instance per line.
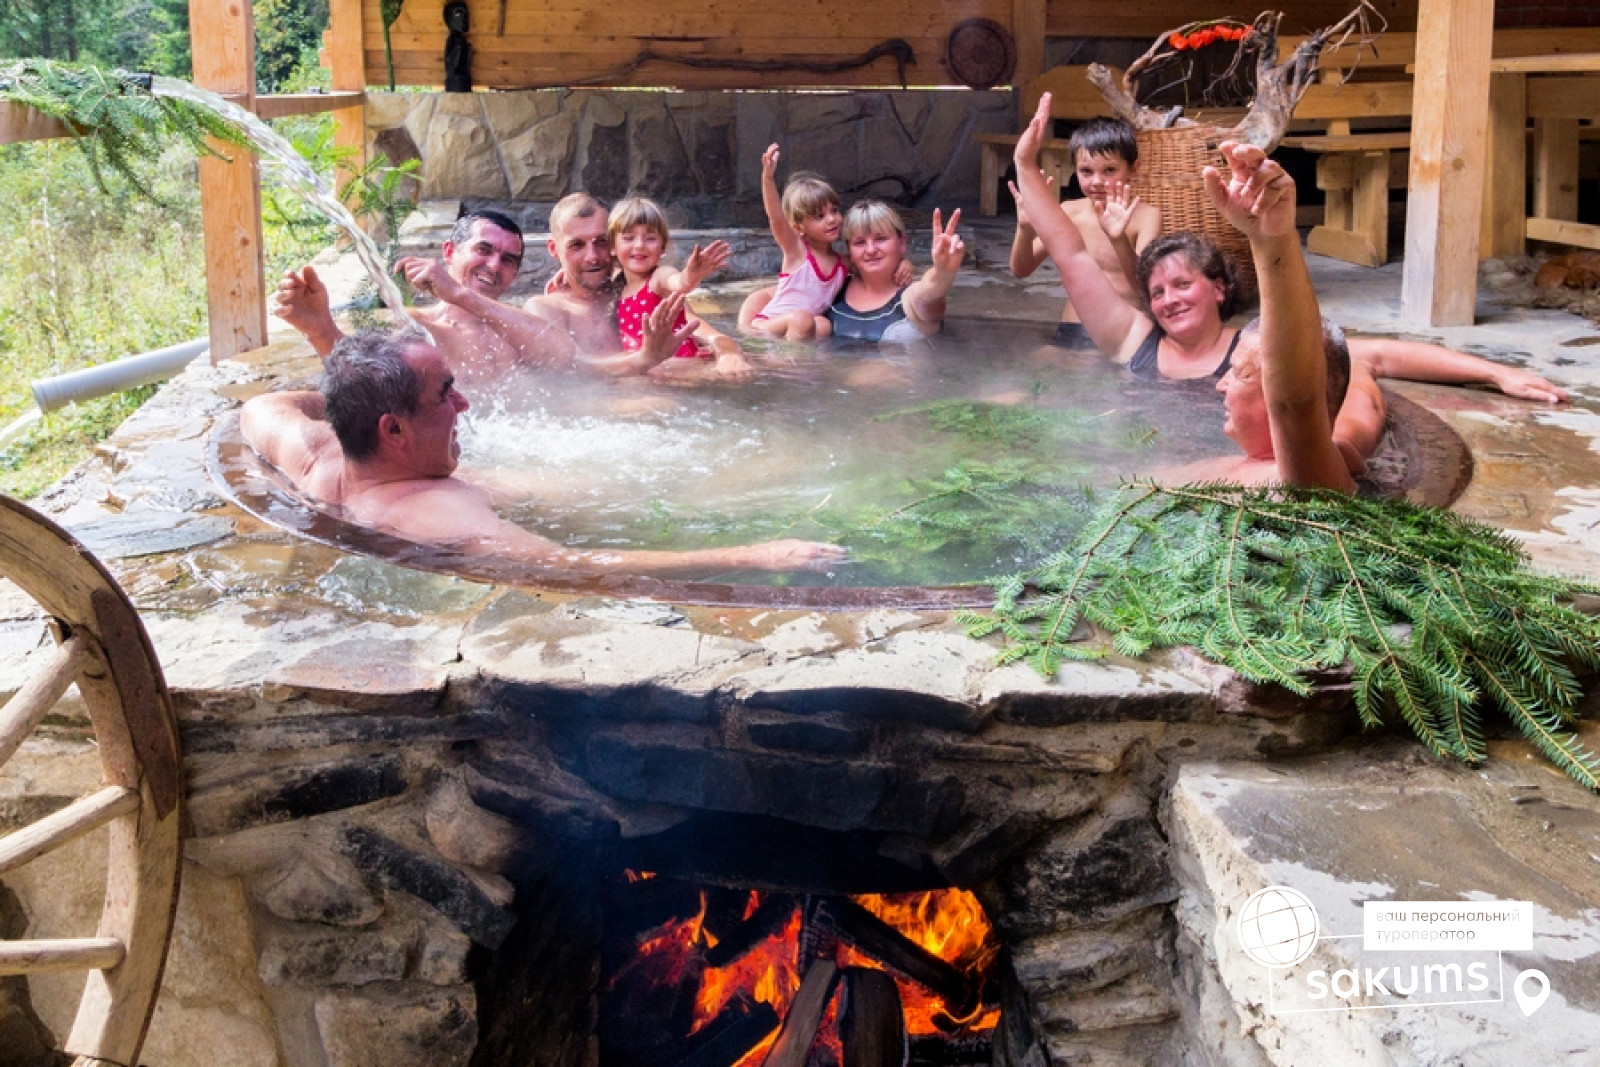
(378,442)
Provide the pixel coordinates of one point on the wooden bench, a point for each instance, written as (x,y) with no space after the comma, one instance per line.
(995,150)
(1355,172)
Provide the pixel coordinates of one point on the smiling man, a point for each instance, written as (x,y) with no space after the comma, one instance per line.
(582,299)
(378,442)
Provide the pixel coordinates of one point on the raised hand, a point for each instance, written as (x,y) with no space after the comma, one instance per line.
(1016,195)
(659,340)
(429,276)
(1117,211)
(769,163)
(1026,154)
(557,284)
(302,299)
(1256,196)
(702,263)
(948,249)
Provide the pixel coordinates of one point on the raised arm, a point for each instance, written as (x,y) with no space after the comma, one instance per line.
(924,300)
(1258,199)
(1420,362)
(788,238)
(701,264)
(287,430)
(1115,325)
(302,302)
(536,340)
(1117,221)
(1027,251)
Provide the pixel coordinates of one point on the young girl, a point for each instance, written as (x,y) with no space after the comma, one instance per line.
(805,222)
(637,231)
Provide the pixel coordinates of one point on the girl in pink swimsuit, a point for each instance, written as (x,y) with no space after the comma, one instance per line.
(805,222)
(638,233)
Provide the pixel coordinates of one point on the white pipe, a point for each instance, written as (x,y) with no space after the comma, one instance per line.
(90,382)
(18,426)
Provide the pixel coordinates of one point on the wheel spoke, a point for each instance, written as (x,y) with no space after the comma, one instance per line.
(39,694)
(76,819)
(68,954)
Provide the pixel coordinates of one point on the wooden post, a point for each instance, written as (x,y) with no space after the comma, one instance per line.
(1027,32)
(1505,183)
(1555,168)
(345,55)
(1439,283)
(223,36)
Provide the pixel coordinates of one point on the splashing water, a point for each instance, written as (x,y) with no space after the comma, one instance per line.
(298,175)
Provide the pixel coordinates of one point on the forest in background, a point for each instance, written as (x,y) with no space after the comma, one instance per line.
(91,274)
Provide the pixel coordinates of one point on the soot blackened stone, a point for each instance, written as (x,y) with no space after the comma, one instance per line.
(449,891)
(808,737)
(334,788)
(834,794)
(1113,867)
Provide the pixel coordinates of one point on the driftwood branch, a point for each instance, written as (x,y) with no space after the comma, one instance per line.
(1278,88)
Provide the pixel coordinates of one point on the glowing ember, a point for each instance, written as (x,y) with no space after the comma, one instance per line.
(947,923)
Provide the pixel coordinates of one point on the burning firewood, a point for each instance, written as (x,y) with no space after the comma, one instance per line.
(859,927)
(1278,86)
(800,1026)
(872,1024)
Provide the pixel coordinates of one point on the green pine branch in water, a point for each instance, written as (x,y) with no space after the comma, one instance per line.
(119,123)
(1439,619)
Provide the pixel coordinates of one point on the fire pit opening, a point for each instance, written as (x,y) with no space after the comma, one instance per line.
(791,964)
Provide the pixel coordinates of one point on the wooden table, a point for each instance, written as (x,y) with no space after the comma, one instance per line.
(1557,92)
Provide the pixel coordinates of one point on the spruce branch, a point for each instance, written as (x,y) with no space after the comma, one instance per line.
(1439,619)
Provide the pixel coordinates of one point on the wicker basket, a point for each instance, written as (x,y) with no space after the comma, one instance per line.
(1169,177)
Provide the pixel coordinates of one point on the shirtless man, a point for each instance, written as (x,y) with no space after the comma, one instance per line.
(483,339)
(379,441)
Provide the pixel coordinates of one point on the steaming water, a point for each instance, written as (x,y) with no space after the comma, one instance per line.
(298,175)
(936,466)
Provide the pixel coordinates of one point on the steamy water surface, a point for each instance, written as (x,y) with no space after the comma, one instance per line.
(939,464)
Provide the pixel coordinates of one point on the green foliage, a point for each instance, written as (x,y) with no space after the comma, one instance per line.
(119,120)
(61,439)
(1438,618)
(288,35)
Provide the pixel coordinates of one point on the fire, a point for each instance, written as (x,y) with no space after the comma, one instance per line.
(948,923)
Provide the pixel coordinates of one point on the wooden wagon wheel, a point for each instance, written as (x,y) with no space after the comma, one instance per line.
(102,646)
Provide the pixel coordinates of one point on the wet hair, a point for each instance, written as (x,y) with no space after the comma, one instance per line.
(1335,353)
(807,196)
(365,377)
(461,233)
(1201,254)
(573,206)
(868,216)
(637,211)
(1104,137)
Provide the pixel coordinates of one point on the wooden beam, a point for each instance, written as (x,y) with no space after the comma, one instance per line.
(74,954)
(1027,30)
(21,123)
(1439,283)
(344,55)
(286,104)
(1505,184)
(223,35)
(1563,232)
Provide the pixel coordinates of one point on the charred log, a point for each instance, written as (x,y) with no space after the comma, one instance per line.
(725,1040)
(872,1023)
(767,920)
(935,1051)
(884,943)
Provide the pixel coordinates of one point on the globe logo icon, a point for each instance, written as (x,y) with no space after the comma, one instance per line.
(1278,926)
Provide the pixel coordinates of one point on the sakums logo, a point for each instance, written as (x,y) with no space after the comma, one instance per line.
(1461,943)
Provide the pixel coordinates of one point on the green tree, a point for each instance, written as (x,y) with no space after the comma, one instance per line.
(288,35)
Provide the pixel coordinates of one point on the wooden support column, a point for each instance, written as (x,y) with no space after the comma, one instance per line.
(223,36)
(1555,168)
(1505,183)
(345,55)
(1449,110)
(1027,31)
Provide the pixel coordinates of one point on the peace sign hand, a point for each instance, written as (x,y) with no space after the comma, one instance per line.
(948,249)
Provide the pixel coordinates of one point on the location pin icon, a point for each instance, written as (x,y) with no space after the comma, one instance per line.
(1531,1003)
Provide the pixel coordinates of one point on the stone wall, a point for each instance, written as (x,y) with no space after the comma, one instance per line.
(699,152)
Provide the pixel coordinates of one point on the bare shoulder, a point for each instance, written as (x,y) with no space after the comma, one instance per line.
(1081,212)
(1146,221)
(428,509)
